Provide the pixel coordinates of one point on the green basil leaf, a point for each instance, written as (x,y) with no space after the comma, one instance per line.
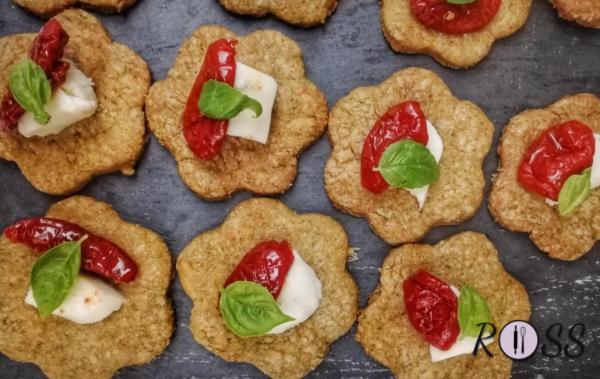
(574,192)
(472,311)
(31,89)
(220,101)
(408,164)
(249,309)
(460,2)
(53,275)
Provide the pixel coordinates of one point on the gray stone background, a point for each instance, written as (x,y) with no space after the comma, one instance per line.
(547,59)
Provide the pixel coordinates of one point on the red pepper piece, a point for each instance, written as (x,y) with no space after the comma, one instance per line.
(98,255)
(47,50)
(266,264)
(403,121)
(442,16)
(559,152)
(203,135)
(432,309)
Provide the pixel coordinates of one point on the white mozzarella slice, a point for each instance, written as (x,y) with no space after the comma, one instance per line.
(73,101)
(462,346)
(300,295)
(262,88)
(91,300)
(595,177)
(435,145)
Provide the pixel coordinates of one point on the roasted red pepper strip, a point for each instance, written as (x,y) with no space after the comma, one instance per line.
(432,309)
(403,121)
(442,16)
(203,135)
(559,152)
(47,50)
(266,264)
(98,255)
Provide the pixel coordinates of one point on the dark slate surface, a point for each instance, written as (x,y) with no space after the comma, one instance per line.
(547,59)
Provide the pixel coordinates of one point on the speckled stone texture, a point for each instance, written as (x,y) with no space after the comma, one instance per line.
(546,60)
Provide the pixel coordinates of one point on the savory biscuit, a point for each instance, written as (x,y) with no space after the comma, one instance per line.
(299,117)
(562,237)
(110,140)
(394,214)
(48,8)
(207,261)
(583,12)
(406,34)
(134,335)
(305,13)
(387,335)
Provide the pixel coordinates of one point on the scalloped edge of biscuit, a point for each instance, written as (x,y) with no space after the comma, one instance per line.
(293,12)
(564,238)
(583,12)
(299,117)
(385,332)
(206,262)
(393,215)
(64,349)
(406,34)
(49,8)
(111,140)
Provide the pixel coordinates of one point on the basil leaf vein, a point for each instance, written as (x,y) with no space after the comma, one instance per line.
(472,311)
(249,310)
(54,274)
(31,89)
(220,101)
(574,192)
(408,164)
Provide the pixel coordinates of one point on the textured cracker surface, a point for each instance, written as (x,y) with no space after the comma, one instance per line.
(407,35)
(208,260)
(299,117)
(48,8)
(387,335)
(112,139)
(517,209)
(394,215)
(584,12)
(304,13)
(134,335)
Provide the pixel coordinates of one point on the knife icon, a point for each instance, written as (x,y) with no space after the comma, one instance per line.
(515,339)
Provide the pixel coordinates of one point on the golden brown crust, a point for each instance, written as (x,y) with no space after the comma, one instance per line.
(583,12)
(394,215)
(565,238)
(305,13)
(299,117)
(406,34)
(386,333)
(48,8)
(208,260)
(112,139)
(134,335)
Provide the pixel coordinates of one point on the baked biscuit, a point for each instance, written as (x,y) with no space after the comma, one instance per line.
(305,13)
(134,335)
(583,12)
(299,117)
(394,214)
(208,259)
(406,34)
(110,140)
(387,335)
(48,8)
(562,237)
